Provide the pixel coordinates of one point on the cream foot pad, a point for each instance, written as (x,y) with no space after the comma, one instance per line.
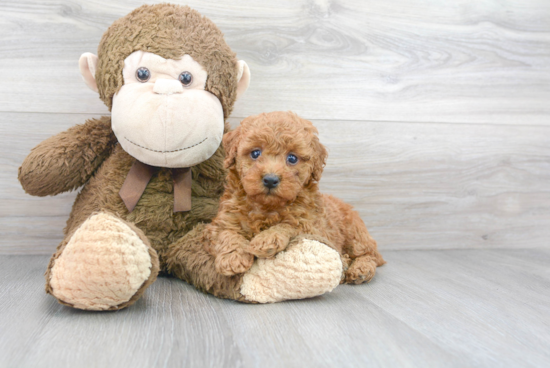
(103,265)
(303,270)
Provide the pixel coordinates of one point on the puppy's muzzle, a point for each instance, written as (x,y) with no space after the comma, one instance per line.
(271,181)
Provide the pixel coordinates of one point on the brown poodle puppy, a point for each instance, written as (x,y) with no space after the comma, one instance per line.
(275,161)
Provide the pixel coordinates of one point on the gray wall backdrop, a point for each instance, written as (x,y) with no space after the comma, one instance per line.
(436,114)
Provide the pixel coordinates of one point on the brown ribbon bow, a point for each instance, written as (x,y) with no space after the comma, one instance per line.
(139,176)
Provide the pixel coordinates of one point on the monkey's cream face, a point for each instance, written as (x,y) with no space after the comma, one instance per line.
(162,115)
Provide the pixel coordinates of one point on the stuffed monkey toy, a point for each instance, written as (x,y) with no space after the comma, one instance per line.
(152,173)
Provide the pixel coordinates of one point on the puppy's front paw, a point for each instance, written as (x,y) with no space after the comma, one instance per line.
(268,243)
(234,262)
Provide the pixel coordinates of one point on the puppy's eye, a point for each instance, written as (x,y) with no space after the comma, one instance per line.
(143,74)
(255,154)
(186,78)
(292,159)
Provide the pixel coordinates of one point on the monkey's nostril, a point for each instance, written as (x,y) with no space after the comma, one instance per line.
(271,181)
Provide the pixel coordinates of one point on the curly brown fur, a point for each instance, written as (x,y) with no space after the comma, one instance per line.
(169,31)
(255,220)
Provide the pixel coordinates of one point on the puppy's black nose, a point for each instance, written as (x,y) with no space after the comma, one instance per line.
(271,181)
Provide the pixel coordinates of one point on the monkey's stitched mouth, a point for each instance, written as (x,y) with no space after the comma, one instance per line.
(153,150)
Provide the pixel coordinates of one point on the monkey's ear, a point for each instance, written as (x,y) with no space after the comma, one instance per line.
(230,145)
(243,78)
(87,65)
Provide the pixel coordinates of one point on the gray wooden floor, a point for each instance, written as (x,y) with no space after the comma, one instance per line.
(452,308)
(436,115)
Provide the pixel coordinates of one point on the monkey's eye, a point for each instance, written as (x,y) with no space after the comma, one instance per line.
(143,74)
(186,78)
(292,159)
(255,154)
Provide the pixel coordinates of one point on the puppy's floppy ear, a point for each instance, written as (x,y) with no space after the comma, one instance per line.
(319,160)
(230,145)
(319,157)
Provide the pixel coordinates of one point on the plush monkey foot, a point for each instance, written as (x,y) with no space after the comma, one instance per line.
(107,264)
(305,269)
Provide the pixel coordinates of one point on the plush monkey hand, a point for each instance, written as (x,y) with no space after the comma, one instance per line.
(67,160)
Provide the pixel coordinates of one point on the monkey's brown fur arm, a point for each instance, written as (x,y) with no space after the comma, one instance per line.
(67,160)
